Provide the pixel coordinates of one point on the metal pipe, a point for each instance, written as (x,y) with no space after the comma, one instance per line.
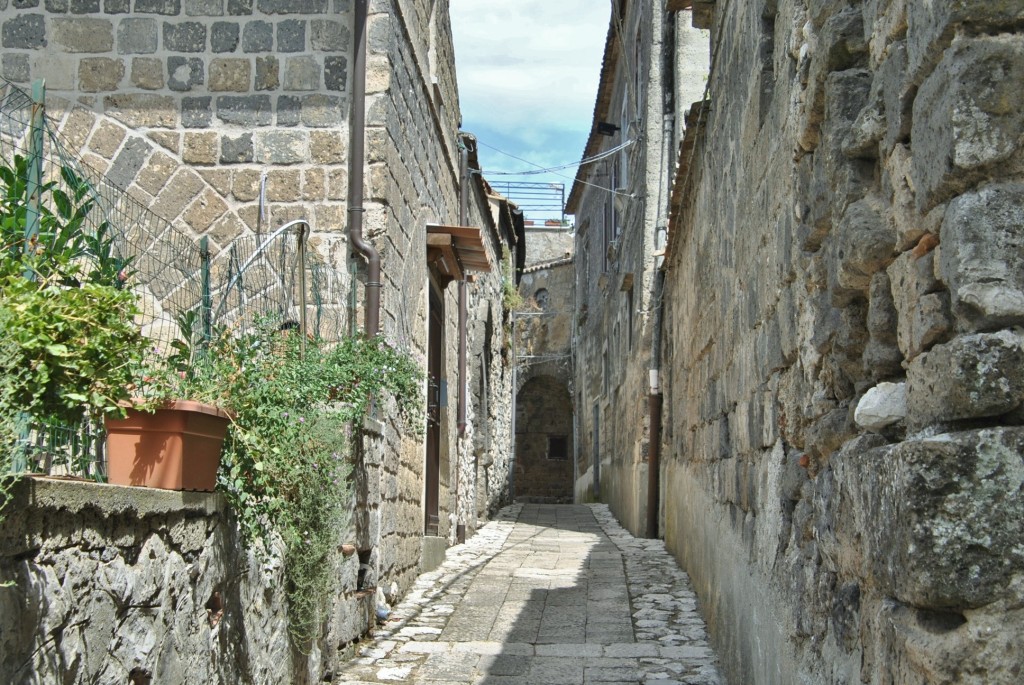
(357,160)
(654,404)
(303,330)
(463,290)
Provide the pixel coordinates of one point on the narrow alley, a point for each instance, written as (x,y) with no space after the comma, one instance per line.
(545,594)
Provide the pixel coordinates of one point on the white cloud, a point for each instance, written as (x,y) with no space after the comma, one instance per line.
(528,72)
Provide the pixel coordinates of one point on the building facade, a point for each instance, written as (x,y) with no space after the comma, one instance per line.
(231,118)
(840,447)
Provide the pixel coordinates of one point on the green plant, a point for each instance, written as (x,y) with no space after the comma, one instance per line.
(71,340)
(510,296)
(288,451)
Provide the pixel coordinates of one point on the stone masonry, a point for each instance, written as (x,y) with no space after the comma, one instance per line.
(200,108)
(843,296)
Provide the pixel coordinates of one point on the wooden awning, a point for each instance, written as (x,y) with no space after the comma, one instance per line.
(452,251)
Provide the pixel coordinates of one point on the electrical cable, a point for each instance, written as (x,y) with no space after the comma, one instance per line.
(541,170)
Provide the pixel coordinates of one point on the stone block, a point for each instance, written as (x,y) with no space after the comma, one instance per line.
(230,75)
(882,406)
(224,36)
(207,208)
(337,184)
(168,8)
(236,150)
(322,111)
(200,148)
(335,73)
(55,6)
(289,110)
(147,73)
(267,73)
(292,6)
(982,256)
(282,147)
(301,73)
(245,186)
(864,244)
(168,140)
(327,35)
(106,139)
(291,35)
(83,34)
(226,229)
(84,6)
(99,74)
(931,26)
(326,147)
(186,36)
(185,73)
(283,185)
(970,377)
(940,523)
(129,162)
(239,8)
(136,36)
(257,36)
(245,110)
(966,125)
(181,190)
(16,67)
(196,111)
(922,310)
(313,184)
(117,6)
(24,31)
(157,171)
(204,8)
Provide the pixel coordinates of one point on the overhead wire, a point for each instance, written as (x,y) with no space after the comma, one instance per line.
(569,165)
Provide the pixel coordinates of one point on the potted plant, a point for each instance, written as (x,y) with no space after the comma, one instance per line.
(172,432)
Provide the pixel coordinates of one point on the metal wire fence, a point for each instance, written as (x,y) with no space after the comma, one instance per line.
(173,274)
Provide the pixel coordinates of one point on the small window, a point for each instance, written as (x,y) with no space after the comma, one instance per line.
(541,298)
(558,447)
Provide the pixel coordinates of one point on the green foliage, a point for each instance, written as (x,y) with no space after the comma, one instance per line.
(70,346)
(510,296)
(289,448)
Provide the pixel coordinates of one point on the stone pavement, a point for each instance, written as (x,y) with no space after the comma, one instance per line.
(557,594)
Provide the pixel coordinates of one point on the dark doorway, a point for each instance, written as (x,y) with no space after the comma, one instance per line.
(544,441)
(435,349)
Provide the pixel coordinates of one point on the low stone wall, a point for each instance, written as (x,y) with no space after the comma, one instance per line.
(112,584)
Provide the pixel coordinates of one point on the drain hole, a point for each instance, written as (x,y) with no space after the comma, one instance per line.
(139,676)
(940,622)
(214,609)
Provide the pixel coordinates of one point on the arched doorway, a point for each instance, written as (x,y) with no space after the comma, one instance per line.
(544,442)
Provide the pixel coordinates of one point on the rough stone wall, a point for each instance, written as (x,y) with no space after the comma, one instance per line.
(544,405)
(188,104)
(233,89)
(546,244)
(618,238)
(115,585)
(844,295)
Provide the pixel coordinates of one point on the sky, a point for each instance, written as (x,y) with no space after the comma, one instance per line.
(528,72)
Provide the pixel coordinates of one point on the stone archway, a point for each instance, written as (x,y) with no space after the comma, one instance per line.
(544,441)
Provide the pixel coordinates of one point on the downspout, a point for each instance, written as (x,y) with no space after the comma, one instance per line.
(654,411)
(654,399)
(463,288)
(356,162)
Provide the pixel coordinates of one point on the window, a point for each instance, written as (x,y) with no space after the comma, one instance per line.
(558,447)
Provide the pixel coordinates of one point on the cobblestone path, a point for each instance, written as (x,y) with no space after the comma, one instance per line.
(545,594)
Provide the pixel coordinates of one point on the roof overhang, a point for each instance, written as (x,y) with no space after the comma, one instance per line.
(452,251)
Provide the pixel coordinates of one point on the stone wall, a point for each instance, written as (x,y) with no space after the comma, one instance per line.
(114,585)
(232,89)
(843,459)
(191,104)
(544,383)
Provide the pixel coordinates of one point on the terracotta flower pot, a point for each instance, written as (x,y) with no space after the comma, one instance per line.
(177,447)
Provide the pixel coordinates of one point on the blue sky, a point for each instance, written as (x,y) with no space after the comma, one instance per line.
(528,72)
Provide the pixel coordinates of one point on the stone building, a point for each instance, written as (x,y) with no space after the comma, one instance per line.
(334,112)
(840,466)
(653,68)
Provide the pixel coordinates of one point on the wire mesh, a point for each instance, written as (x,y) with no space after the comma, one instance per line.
(172,273)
